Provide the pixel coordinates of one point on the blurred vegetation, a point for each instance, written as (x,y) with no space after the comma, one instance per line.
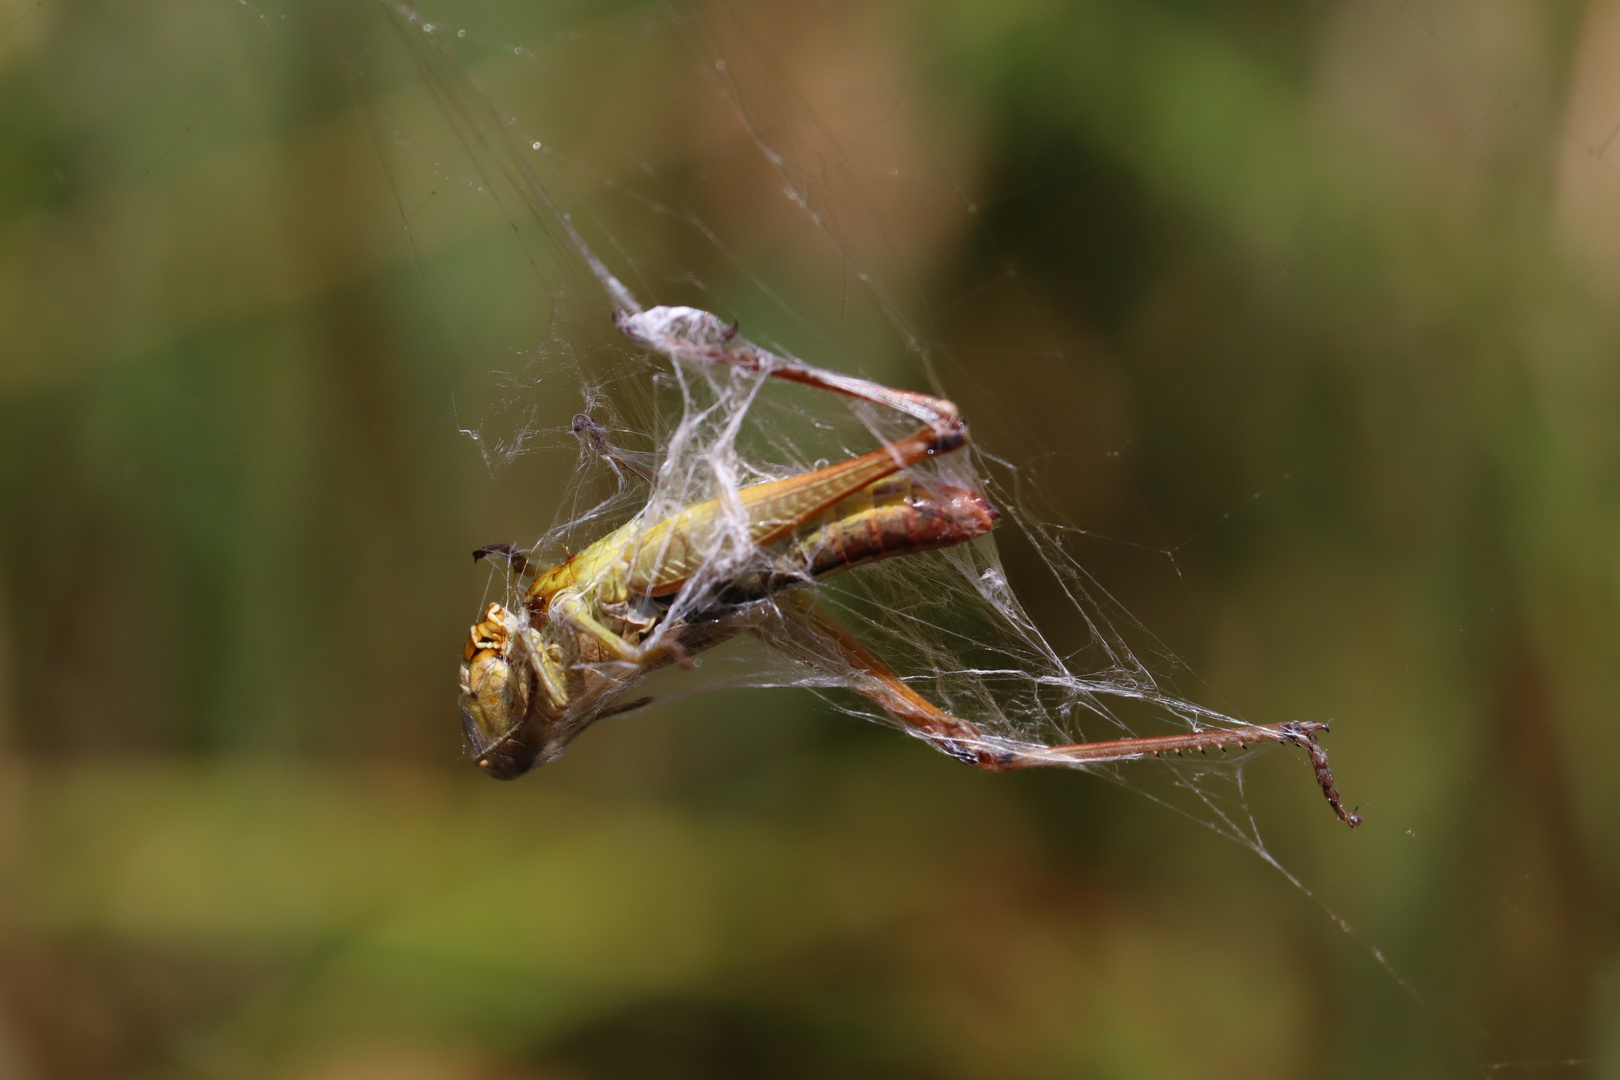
(1306,312)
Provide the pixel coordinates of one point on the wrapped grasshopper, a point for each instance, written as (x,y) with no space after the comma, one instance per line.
(588,629)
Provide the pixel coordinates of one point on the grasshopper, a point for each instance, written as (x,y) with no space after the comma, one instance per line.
(588,629)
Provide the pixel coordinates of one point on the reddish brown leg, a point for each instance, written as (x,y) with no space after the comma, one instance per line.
(1294,734)
(823,642)
(808,632)
(682,333)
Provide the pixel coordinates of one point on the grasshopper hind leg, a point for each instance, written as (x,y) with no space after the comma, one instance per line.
(810,634)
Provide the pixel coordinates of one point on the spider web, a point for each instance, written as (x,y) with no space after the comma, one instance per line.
(592,208)
(735,160)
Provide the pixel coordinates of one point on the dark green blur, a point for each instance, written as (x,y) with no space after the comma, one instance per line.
(1307,314)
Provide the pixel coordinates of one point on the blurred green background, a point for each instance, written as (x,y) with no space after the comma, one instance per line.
(1305,313)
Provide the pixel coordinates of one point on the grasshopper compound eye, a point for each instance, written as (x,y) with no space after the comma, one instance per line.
(494,706)
(495,694)
(487,691)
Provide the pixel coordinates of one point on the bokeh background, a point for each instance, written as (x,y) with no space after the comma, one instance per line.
(1306,313)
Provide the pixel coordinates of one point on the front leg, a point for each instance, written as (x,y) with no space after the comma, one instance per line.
(548,662)
(579,614)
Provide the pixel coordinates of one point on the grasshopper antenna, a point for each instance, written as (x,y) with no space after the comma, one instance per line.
(517,560)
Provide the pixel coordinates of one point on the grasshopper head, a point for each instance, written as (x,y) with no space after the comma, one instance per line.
(498,687)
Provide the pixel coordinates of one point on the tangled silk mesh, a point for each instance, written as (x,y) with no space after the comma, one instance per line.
(685,430)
